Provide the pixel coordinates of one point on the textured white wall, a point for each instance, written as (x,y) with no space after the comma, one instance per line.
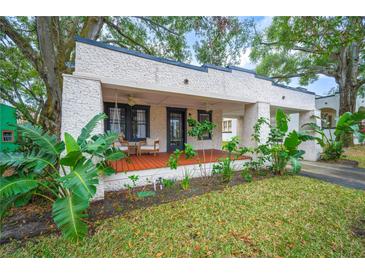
(122,69)
(158,120)
(329,102)
(216,141)
(81,101)
(252,113)
(334,102)
(311,148)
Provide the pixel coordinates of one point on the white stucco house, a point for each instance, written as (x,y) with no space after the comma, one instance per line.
(329,107)
(155,96)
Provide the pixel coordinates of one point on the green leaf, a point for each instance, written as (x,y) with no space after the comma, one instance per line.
(71,158)
(281,120)
(114,154)
(23,200)
(296,165)
(100,143)
(104,169)
(46,143)
(11,186)
(89,127)
(292,141)
(5,204)
(33,160)
(71,144)
(67,214)
(82,180)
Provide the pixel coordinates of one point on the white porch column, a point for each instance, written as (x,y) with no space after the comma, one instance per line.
(311,148)
(252,113)
(81,100)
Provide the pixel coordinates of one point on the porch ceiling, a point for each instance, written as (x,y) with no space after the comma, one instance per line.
(160,98)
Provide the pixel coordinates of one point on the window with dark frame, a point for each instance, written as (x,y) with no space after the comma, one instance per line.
(139,124)
(7,136)
(204,115)
(133,121)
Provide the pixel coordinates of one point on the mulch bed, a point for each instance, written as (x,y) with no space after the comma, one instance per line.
(35,218)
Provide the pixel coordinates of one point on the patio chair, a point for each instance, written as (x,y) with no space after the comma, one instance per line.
(122,144)
(149,146)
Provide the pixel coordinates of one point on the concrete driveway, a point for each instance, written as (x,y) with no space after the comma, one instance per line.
(338,174)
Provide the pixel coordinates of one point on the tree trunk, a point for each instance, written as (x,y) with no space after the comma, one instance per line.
(51,53)
(347,80)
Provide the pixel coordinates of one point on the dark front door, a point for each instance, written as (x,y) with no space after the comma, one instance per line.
(176,128)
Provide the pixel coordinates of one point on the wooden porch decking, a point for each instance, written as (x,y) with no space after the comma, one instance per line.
(149,161)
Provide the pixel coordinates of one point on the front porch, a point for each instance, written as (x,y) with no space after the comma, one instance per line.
(149,161)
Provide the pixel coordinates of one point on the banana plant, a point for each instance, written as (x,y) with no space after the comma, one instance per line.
(281,147)
(332,143)
(66,173)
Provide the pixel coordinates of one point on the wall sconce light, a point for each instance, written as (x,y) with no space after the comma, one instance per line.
(283,97)
(186,81)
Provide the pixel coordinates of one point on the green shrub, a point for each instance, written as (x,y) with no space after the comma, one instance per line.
(281,147)
(246,175)
(61,172)
(225,169)
(347,125)
(185,183)
(168,182)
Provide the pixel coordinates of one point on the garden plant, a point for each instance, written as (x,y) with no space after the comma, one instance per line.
(198,130)
(280,148)
(65,173)
(347,126)
(225,166)
(173,163)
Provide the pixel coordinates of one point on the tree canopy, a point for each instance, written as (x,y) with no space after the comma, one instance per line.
(36,51)
(306,47)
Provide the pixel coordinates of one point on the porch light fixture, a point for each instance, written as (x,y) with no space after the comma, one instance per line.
(186,81)
(283,97)
(131,101)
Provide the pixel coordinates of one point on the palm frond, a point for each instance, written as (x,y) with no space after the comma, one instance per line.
(35,161)
(46,143)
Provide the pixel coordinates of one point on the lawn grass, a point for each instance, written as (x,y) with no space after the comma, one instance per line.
(277,217)
(356,153)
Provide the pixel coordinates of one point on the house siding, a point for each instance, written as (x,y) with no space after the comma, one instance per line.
(117,68)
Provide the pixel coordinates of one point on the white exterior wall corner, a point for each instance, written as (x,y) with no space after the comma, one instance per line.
(252,113)
(81,101)
(113,67)
(311,148)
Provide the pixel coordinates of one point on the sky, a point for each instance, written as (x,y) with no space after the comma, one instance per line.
(321,86)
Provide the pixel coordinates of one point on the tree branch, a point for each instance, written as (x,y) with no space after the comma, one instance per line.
(156,24)
(298,48)
(22,44)
(92,27)
(360,83)
(23,109)
(116,28)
